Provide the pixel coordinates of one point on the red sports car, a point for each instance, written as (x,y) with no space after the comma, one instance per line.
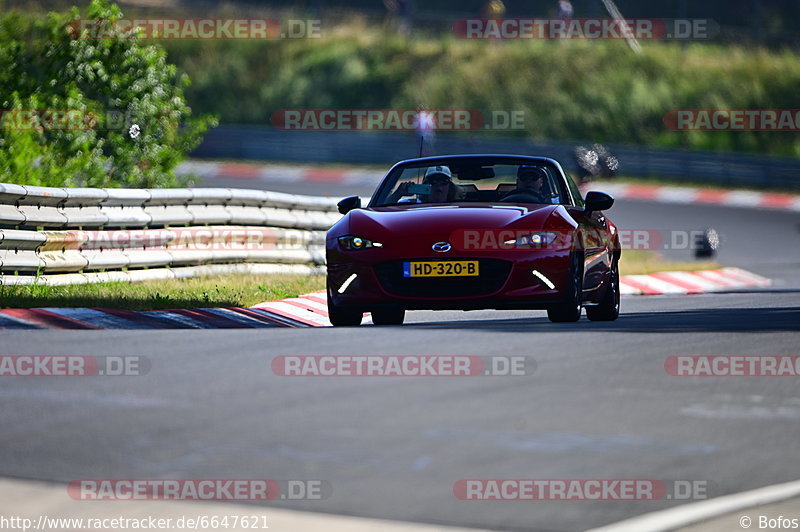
(474,232)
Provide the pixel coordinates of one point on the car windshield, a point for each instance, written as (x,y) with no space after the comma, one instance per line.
(472,183)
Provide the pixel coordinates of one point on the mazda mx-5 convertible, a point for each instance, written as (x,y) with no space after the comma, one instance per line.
(474,232)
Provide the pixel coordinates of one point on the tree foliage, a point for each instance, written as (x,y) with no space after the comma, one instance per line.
(79,111)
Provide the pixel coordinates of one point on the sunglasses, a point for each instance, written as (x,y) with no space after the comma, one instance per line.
(440,181)
(530,177)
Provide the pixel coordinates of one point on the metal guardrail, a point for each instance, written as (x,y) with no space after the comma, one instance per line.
(79,235)
(383,148)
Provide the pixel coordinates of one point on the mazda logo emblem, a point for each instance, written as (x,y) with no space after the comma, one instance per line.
(441,247)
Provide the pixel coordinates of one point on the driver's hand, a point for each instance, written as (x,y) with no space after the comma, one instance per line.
(403,188)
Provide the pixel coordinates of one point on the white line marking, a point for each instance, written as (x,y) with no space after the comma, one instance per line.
(687,514)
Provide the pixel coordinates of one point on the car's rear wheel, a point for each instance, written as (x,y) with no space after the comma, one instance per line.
(569,310)
(394,316)
(608,309)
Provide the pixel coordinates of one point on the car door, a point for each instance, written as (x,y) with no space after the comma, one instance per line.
(595,239)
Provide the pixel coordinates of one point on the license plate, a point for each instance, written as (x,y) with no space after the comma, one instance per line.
(441,268)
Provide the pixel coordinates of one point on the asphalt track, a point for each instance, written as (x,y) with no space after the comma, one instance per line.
(599,405)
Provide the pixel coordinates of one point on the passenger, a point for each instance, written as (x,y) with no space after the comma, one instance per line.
(443,190)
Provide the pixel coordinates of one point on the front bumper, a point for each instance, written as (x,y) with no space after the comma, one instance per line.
(506,281)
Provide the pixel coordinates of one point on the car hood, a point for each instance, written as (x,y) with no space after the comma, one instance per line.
(442,220)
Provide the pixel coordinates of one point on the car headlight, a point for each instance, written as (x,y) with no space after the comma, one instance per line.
(353,243)
(533,240)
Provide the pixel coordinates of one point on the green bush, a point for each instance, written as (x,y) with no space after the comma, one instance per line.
(130,125)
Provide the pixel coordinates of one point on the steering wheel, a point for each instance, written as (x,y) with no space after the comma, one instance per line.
(522,196)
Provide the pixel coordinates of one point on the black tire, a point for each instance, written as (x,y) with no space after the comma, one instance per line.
(608,309)
(570,309)
(393,316)
(340,317)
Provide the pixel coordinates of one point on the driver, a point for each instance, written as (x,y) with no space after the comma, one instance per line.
(443,190)
(530,181)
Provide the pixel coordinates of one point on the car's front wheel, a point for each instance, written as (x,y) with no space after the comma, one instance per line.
(569,310)
(393,316)
(342,317)
(608,309)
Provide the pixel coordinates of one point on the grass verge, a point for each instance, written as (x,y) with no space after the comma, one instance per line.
(213,291)
(234,290)
(643,262)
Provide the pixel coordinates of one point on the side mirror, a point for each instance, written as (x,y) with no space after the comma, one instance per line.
(597,201)
(348,204)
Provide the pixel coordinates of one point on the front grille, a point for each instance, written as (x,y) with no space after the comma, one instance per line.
(493,274)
